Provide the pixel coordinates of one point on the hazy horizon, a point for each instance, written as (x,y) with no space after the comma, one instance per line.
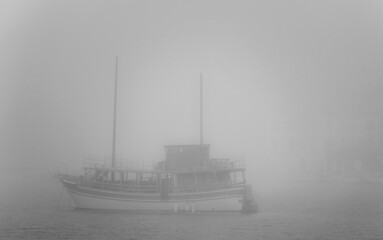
(287,85)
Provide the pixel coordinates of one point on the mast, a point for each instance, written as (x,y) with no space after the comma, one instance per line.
(114,119)
(201,111)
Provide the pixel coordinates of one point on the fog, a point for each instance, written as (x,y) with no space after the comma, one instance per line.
(292,87)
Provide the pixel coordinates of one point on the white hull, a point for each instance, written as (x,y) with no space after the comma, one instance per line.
(84,201)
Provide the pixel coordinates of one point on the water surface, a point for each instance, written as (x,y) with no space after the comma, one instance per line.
(301,211)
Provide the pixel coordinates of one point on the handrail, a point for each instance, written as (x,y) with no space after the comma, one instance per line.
(120,163)
(119,186)
(208,187)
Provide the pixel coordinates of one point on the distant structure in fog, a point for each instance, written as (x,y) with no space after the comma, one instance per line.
(343,148)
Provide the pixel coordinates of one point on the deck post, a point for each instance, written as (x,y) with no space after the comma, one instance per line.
(121,177)
(175,187)
(138,181)
(215,176)
(243,177)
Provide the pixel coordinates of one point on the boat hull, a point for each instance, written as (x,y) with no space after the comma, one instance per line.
(208,201)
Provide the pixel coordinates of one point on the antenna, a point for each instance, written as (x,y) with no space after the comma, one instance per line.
(114,117)
(201,110)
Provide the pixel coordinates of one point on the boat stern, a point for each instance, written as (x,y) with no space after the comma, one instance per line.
(248,203)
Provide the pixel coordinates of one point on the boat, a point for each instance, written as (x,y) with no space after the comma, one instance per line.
(187,180)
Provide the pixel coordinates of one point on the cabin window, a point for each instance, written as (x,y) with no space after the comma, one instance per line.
(149,179)
(236,177)
(131,178)
(185,180)
(223,177)
(117,176)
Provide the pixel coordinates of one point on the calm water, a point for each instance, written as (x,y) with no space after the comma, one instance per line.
(324,211)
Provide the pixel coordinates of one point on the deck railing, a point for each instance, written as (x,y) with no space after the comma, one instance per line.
(135,164)
(120,163)
(209,187)
(225,163)
(123,186)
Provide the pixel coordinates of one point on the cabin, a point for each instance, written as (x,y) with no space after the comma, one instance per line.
(186,157)
(193,169)
(187,168)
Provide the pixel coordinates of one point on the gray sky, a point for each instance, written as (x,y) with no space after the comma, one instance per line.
(272,70)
